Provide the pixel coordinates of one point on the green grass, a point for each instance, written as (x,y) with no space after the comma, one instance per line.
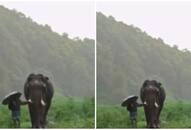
(64,113)
(174,115)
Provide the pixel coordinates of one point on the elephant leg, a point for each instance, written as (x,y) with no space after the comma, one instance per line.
(45,114)
(42,122)
(32,116)
(158,116)
(147,118)
(157,122)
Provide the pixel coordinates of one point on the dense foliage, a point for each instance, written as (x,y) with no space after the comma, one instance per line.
(126,56)
(64,113)
(174,115)
(27,47)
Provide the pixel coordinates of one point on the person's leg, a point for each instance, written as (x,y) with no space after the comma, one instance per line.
(132,123)
(134,118)
(131,118)
(14,122)
(135,123)
(18,123)
(17,119)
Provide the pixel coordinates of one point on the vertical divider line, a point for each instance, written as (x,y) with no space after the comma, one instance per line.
(95,44)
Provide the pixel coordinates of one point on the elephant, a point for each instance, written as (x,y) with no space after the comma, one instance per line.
(38,91)
(152,96)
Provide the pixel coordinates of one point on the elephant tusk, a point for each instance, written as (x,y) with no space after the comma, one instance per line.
(30,101)
(42,102)
(156,105)
(145,103)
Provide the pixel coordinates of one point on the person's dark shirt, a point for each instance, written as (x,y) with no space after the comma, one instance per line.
(14,105)
(132,107)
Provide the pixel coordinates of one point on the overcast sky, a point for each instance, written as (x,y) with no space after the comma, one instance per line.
(74,18)
(169,20)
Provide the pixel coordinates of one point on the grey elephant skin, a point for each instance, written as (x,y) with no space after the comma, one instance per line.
(153,97)
(38,92)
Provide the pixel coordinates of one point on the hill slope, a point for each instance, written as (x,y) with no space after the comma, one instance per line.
(26,47)
(127,56)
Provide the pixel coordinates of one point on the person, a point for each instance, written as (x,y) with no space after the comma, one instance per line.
(132,108)
(14,107)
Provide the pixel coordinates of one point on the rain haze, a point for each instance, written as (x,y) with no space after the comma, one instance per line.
(167,20)
(74,18)
(61,67)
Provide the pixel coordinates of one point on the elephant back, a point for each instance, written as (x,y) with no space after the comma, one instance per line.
(162,94)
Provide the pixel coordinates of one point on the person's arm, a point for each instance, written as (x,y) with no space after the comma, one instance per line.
(23,102)
(140,104)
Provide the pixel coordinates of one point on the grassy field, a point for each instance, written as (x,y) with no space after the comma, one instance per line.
(64,113)
(174,115)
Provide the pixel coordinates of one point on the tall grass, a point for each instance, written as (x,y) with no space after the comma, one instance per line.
(64,113)
(174,115)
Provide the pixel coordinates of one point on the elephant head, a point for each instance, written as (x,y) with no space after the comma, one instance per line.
(38,91)
(152,96)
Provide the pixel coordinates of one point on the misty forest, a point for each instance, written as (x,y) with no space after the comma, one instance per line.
(126,57)
(27,47)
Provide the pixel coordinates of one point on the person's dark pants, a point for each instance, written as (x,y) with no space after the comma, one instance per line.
(133,118)
(16,119)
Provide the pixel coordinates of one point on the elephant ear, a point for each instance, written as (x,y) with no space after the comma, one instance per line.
(26,85)
(142,89)
(142,94)
(50,88)
(162,94)
(26,90)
